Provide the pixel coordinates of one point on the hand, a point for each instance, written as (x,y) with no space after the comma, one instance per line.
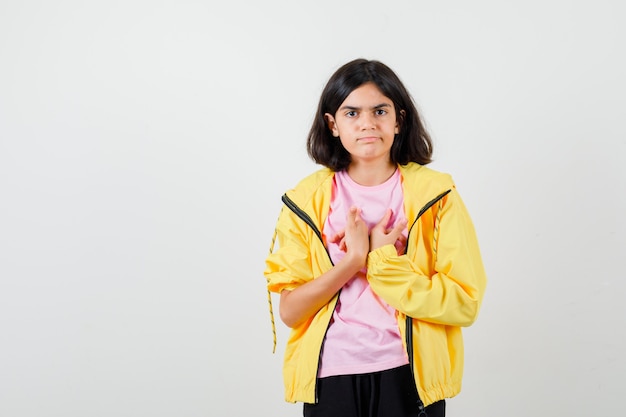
(381,235)
(354,239)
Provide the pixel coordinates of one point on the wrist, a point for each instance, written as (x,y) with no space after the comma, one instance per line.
(355,261)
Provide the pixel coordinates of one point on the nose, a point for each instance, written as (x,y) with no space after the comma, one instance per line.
(367,121)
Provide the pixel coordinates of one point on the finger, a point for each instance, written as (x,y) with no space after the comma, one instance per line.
(352,215)
(401,242)
(355,220)
(396,231)
(338,236)
(399,226)
(382,224)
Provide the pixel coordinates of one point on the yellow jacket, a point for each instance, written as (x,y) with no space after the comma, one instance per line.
(439,282)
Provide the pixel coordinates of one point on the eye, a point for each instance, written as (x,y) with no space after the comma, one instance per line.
(351,113)
(381,112)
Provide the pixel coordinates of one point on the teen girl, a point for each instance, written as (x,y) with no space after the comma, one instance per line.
(378,266)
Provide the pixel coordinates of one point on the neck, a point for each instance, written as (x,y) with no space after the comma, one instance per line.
(370,174)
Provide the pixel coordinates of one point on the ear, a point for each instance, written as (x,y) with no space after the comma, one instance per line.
(400,121)
(332,124)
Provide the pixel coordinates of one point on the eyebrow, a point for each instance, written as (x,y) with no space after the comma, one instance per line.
(378,106)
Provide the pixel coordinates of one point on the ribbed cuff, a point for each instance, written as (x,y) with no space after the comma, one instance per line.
(381,254)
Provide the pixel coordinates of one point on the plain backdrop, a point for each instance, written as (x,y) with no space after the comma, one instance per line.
(144,147)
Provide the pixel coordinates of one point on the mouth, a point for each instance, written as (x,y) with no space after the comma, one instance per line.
(368,139)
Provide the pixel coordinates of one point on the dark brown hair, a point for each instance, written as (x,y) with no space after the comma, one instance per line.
(412,144)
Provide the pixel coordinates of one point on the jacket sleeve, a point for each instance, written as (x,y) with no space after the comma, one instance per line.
(289,266)
(448,293)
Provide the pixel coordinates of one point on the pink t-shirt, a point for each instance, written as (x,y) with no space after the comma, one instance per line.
(363,335)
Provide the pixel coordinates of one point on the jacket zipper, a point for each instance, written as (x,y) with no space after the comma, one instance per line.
(409,320)
(307,219)
(422,211)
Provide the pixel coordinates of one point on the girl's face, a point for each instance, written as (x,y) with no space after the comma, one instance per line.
(366,124)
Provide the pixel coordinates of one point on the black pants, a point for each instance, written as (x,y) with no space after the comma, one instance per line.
(388,393)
